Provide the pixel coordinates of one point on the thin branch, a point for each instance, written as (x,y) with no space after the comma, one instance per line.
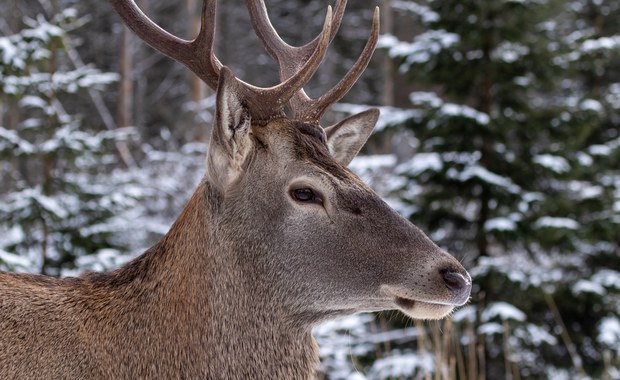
(102,109)
(568,342)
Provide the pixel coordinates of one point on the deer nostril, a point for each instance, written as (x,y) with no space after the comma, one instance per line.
(459,285)
(455,281)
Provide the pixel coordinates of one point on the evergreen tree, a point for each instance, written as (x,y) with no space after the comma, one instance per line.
(591,95)
(62,204)
(510,174)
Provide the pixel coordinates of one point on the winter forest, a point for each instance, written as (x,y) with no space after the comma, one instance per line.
(499,136)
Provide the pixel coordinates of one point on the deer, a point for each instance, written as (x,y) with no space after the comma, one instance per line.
(278,236)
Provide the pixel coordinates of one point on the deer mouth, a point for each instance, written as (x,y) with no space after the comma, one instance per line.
(417,308)
(404,303)
(423,309)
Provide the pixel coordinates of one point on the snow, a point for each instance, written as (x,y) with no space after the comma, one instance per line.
(609,332)
(515,268)
(370,167)
(585,190)
(69,81)
(490,328)
(430,99)
(586,286)
(425,98)
(467,313)
(421,50)
(554,163)
(13,260)
(523,81)
(10,53)
(388,117)
(51,205)
(33,102)
(607,278)
(42,30)
(601,44)
(477,171)
(584,159)
(356,328)
(103,260)
(463,158)
(500,224)
(28,45)
(338,341)
(426,14)
(457,110)
(374,161)
(11,141)
(401,365)
(509,52)
(591,105)
(420,163)
(556,222)
(93,79)
(544,269)
(613,95)
(536,335)
(85,77)
(22,200)
(502,310)
(599,150)
(345,323)
(354,376)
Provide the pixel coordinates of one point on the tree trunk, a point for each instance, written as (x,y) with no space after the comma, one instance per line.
(125,93)
(197,86)
(387,67)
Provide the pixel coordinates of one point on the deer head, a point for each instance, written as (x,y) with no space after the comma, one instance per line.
(320,240)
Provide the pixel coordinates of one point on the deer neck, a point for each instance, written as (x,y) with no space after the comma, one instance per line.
(210,311)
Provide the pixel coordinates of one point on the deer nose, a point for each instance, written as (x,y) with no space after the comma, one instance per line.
(459,285)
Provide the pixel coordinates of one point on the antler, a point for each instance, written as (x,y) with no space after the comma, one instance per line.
(198,56)
(291,59)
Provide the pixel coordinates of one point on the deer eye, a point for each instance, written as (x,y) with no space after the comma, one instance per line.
(306,195)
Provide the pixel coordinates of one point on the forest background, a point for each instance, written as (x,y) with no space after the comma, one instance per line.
(499,136)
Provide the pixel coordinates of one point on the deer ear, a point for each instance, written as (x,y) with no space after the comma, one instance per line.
(346,138)
(230,141)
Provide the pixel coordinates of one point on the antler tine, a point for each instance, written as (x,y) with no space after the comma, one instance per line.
(291,85)
(290,58)
(206,63)
(190,53)
(314,111)
(277,48)
(198,56)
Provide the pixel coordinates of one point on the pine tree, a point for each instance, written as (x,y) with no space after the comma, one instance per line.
(58,203)
(507,173)
(590,96)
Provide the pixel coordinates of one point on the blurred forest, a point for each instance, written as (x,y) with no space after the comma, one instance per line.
(499,136)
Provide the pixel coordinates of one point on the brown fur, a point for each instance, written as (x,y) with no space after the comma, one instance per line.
(159,317)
